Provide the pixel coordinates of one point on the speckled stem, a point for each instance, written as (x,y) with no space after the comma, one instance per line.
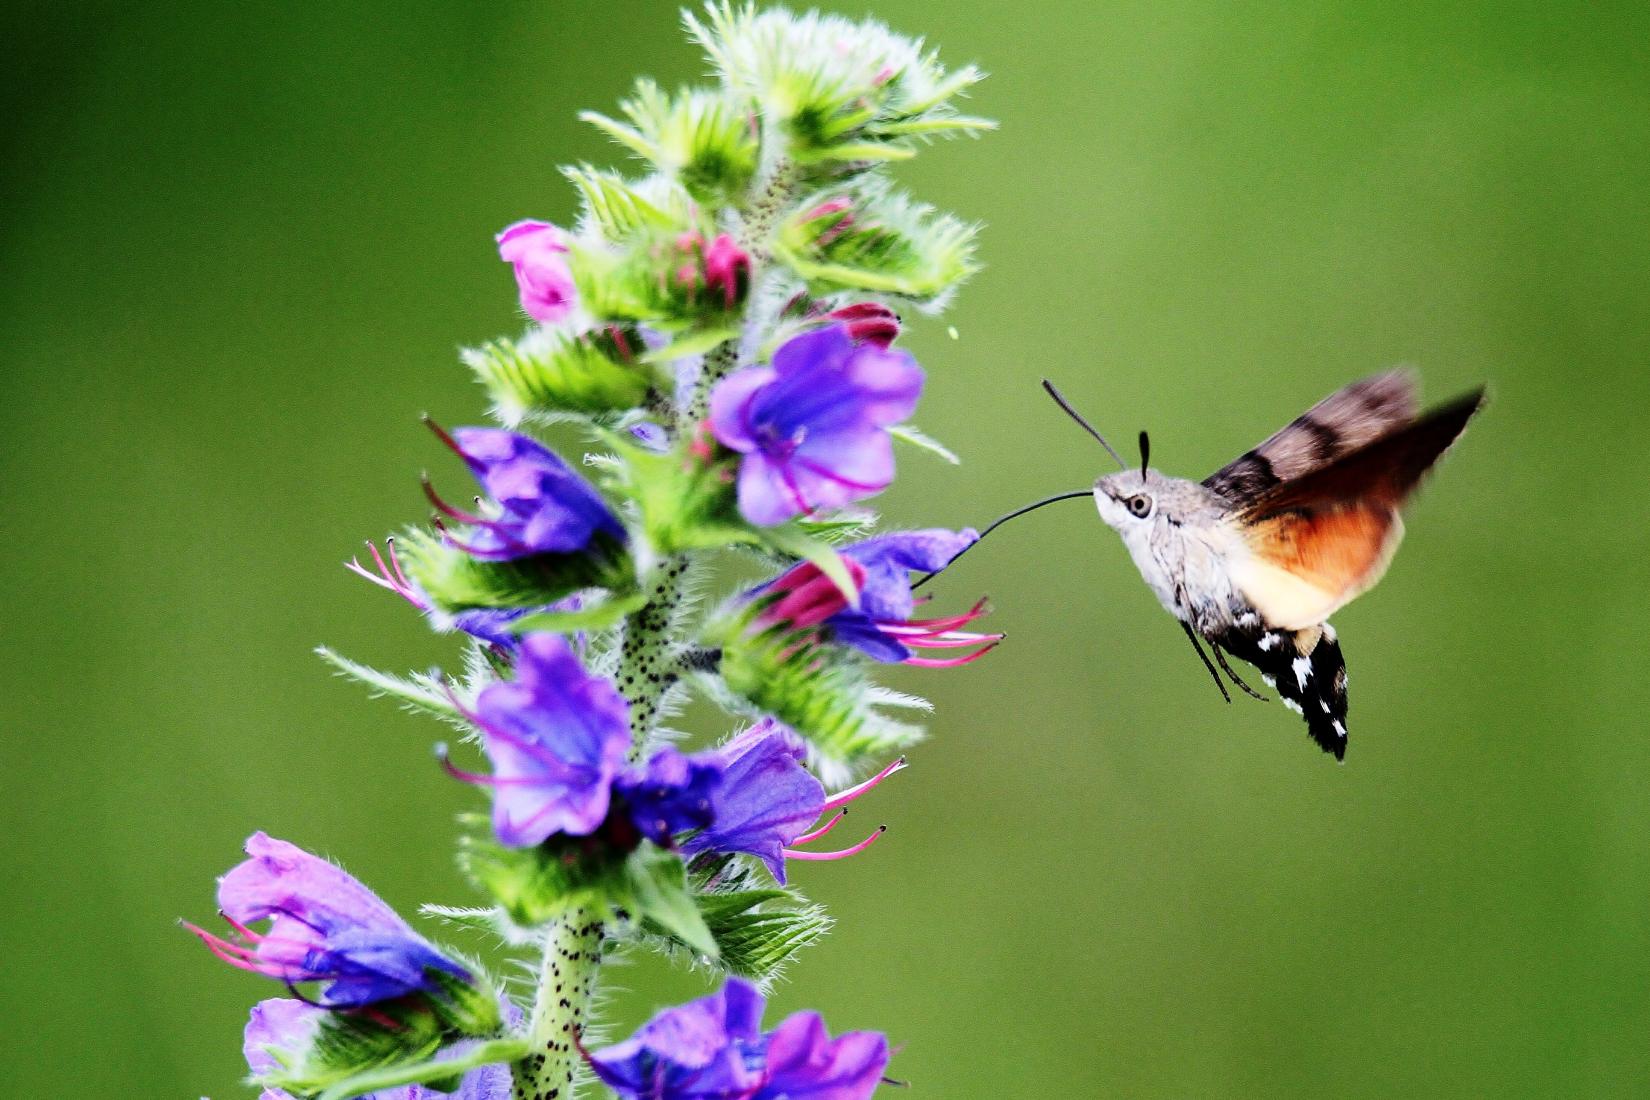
(567,978)
(647,666)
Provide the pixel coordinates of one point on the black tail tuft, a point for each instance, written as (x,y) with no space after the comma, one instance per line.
(1309,677)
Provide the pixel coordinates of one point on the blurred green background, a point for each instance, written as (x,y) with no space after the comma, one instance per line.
(241,243)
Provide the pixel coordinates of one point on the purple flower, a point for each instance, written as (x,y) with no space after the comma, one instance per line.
(671,794)
(714,1049)
(881,626)
(537,251)
(767,799)
(287,1025)
(324,927)
(541,505)
(813,428)
(557,738)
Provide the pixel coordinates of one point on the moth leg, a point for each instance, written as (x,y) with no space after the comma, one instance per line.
(1236,679)
(1191,636)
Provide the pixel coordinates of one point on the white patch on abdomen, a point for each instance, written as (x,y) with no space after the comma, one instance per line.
(1303,671)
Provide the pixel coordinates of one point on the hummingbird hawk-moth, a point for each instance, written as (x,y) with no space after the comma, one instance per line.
(1256,557)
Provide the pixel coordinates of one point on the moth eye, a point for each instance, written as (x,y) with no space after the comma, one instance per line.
(1139,506)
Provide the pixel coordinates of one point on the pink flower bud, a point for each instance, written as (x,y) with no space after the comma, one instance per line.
(728,268)
(537,251)
(869,323)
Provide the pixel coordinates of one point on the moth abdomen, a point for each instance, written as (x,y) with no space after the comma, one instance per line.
(1305,667)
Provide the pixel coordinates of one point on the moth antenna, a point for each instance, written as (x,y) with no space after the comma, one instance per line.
(1145,453)
(1059,399)
(998,522)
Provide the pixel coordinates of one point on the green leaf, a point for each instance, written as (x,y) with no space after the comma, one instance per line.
(456,581)
(598,615)
(656,883)
(419,692)
(758,931)
(908,433)
(551,373)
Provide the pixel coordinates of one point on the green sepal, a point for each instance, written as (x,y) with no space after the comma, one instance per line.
(615,208)
(833,104)
(653,889)
(535,885)
(638,279)
(355,1052)
(757,930)
(877,241)
(456,581)
(816,687)
(699,136)
(597,615)
(551,374)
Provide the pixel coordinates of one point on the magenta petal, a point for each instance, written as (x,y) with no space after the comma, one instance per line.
(766,494)
(826,347)
(888,380)
(281,879)
(557,738)
(859,463)
(728,402)
(804,1063)
(536,250)
(280,1023)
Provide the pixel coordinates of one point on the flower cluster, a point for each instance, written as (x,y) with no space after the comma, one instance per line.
(723,330)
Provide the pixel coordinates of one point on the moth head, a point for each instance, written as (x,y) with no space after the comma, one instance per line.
(1129,498)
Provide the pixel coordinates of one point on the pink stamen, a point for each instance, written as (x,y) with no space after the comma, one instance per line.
(791,853)
(470,548)
(951,641)
(950,662)
(441,434)
(243,930)
(448,510)
(395,561)
(844,797)
(477,778)
(810,837)
(936,626)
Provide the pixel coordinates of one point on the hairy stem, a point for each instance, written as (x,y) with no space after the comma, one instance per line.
(567,978)
(647,666)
